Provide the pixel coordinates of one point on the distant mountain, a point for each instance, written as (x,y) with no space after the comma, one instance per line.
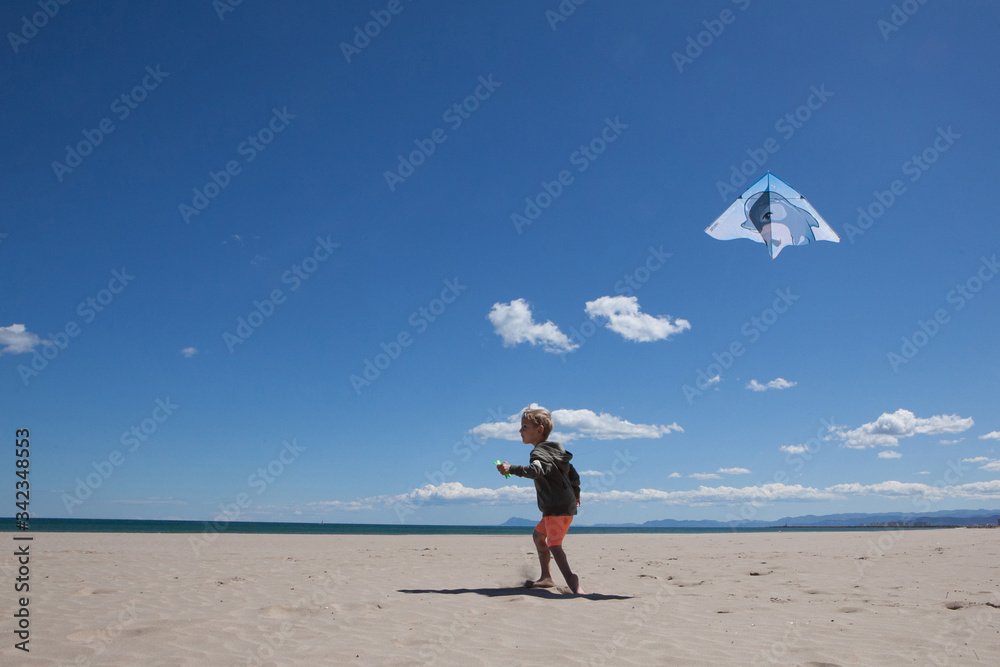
(850,520)
(940,518)
(517,521)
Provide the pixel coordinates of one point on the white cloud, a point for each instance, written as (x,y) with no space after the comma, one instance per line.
(952,442)
(777,383)
(608,427)
(456,493)
(507,430)
(704,475)
(15,339)
(590,473)
(430,494)
(572,424)
(890,455)
(712,380)
(994,435)
(794,449)
(989,465)
(931,492)
(673,475)
(717,495)
(733,471)
(513,322)
(625,318)
(889,428)
(189,352)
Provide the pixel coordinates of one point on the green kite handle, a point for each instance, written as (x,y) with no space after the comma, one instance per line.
(496,463)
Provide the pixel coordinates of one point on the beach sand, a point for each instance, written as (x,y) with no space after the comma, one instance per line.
(927,597)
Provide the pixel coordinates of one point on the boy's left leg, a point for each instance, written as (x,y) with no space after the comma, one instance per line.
(572,580)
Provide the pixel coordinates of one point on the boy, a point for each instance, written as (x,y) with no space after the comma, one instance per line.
(557,486)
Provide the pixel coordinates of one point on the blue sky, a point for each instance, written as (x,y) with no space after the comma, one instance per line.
(258,260)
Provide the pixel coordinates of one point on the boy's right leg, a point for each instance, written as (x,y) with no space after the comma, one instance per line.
(544,581)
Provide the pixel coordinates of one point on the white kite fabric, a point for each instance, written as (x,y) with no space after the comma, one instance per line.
(773,213)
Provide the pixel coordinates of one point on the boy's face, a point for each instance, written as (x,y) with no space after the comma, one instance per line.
(531,434)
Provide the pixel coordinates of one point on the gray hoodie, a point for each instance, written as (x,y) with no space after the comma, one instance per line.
(557,483)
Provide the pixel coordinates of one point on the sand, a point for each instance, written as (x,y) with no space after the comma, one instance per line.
(928,597)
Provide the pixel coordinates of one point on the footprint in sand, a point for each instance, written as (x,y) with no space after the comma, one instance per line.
(83,636)
(104,634)
(279,611)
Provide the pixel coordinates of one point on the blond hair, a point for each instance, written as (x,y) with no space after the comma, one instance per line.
(539,417)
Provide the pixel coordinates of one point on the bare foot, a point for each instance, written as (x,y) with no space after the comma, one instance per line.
(574,585)
(541,583)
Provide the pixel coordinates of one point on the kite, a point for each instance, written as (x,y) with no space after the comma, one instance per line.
(771,212)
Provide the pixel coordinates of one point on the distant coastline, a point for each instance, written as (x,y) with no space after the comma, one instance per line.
(517,525)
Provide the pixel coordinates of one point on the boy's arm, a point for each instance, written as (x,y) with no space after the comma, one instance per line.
(535,469)
(574,479)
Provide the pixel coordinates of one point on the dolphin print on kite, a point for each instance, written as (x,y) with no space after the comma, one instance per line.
(771,212)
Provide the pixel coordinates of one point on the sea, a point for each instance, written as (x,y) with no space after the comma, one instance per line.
(288,528)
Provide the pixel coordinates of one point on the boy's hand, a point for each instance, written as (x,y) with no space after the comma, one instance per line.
(504,468)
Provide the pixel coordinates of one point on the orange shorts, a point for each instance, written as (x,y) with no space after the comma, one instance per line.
(554,529)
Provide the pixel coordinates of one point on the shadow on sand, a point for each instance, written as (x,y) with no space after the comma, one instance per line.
(520,590)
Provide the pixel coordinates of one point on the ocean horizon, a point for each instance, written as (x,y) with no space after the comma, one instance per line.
(42,525)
